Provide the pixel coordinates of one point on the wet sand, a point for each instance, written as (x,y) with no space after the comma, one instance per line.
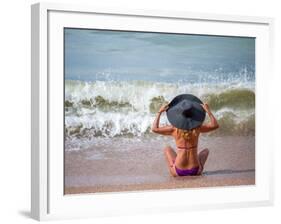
(141,165)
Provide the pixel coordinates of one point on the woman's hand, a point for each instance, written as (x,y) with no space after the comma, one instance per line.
(163,108)
(213,124)
(206,107)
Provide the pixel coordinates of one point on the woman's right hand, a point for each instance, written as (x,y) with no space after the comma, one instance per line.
(206,107)
(213,123)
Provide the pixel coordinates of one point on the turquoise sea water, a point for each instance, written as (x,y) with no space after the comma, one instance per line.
(92,55)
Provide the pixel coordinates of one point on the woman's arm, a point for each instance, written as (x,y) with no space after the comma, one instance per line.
(166,130)
(213,124)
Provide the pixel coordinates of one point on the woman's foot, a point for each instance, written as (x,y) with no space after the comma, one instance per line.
(202,157)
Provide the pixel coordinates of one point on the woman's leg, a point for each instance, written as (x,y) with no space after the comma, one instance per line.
(202,157)
(170,156)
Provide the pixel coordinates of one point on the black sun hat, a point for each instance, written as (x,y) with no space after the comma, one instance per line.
(185,112)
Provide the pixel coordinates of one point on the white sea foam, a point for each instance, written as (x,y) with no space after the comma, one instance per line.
(111,108)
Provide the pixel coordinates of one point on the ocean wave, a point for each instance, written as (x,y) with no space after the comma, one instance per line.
(233,98)
(105,108)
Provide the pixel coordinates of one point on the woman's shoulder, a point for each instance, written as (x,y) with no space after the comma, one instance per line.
(174,129)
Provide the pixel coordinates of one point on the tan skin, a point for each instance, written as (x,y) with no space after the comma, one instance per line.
(185,159)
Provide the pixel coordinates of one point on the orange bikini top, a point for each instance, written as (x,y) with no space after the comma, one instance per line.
(187,148)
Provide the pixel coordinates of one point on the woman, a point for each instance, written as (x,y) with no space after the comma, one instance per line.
(186,113)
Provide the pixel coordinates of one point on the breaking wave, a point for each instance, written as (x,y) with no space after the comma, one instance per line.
(127,108)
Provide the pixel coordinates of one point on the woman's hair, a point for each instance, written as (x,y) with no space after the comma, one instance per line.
(187,134)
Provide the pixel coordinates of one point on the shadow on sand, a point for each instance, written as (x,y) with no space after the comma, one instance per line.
(217,172)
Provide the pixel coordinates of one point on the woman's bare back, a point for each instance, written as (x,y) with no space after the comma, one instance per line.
(187,153)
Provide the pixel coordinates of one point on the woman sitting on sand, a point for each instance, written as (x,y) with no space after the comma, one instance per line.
(186,113)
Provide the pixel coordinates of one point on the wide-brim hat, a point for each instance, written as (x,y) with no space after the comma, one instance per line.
(185,112)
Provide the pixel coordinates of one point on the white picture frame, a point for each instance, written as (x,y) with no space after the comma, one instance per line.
(48,200)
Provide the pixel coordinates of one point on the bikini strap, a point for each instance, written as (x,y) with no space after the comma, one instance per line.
(185,148)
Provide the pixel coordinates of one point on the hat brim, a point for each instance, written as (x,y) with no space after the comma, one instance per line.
(178,120)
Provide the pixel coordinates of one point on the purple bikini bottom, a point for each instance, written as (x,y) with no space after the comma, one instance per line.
(188,172)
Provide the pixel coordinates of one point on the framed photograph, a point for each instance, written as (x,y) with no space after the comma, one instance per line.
(148,111)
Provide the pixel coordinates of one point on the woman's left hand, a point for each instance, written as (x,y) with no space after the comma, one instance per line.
(164,108)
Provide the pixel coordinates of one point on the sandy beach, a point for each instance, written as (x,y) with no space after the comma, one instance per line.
(121,164)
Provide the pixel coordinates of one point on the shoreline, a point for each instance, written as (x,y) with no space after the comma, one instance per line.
(142,166)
